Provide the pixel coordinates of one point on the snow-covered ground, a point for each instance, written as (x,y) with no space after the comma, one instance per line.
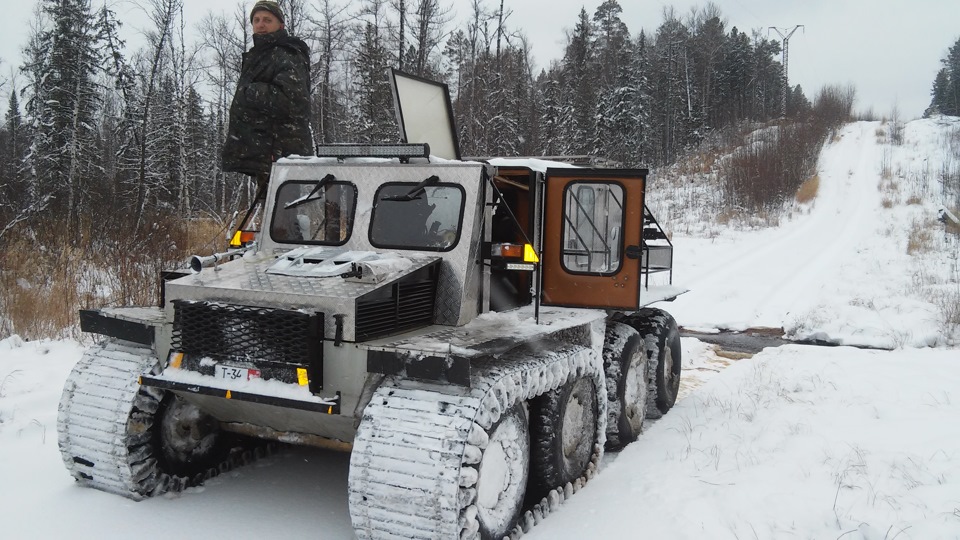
(795,442)
(841,271)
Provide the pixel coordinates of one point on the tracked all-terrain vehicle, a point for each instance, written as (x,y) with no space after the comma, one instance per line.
(474,332)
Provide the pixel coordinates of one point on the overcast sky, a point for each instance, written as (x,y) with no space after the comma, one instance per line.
(890,50)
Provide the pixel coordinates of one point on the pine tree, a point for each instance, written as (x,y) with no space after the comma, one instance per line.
(798,106)
(579,72)
(64,61)
(554,118)
(11,189)
(15,144)
(200,158)
(669,64)
(617,92)
(938,103)
(707,47)
(951,98)
(734,79)
(768,79)
(372,117)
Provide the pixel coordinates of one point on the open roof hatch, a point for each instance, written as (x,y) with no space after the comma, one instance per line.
(425,114)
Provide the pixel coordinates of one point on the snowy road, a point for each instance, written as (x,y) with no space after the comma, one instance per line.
(763,278)
(842,256)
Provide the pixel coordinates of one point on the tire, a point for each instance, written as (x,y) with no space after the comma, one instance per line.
(668,364)
(189,442)
(563,431)
(661,339)
(628,384)
(503,474)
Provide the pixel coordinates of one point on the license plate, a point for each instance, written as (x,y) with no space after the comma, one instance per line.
(232,373)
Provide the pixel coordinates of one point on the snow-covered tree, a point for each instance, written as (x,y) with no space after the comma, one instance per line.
(65,64)
(15,137)
(329,43)
(945,94)
(427,22)
(952,95)
(579,73)
(669,62)
(372,119)
(938,102)
(798,106)
(619,94)
(706,53)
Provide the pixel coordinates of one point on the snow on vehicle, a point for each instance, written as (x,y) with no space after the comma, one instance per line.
(474,332)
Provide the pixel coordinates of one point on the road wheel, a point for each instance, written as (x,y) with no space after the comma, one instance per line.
(667,338)
(503,473)
(625,363)
(564,432)
(661,339)
(191,441)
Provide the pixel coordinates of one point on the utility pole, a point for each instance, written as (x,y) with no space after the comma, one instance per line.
(786,78)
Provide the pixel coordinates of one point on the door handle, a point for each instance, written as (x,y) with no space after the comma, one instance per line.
(632,252)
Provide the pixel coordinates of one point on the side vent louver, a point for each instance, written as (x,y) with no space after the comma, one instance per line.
(403,306)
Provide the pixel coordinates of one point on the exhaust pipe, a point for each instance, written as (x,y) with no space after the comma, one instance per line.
(198,263)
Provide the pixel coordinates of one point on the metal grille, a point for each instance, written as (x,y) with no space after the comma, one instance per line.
(223,331)
(409,306)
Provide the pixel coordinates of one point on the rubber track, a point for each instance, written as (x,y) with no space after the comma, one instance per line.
(105,422)
(413,468)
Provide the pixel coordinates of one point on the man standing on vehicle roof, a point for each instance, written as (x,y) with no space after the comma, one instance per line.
(270,113)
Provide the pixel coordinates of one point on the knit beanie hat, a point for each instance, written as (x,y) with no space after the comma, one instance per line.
(268,5)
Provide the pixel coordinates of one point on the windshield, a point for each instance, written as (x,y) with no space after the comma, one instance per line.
(429,220)
(302,216)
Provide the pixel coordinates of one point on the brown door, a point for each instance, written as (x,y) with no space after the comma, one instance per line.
(591,238)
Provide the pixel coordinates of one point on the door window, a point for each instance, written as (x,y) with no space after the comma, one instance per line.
(592,229)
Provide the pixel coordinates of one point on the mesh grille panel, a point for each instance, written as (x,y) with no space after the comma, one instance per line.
(222,331)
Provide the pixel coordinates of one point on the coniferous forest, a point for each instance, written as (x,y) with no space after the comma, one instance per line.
(117,146)
(98,132)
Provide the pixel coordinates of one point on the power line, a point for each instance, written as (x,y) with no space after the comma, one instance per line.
(786,76)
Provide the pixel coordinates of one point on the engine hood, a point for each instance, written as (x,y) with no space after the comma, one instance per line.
(325,280)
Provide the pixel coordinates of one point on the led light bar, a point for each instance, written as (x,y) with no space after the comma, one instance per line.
(402,152)
(529,267)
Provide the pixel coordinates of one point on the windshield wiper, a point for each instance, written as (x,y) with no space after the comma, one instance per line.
(416,192)
(310,196)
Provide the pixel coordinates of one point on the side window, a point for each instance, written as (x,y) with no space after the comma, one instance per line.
(301,216)
(429,220)
(592,228)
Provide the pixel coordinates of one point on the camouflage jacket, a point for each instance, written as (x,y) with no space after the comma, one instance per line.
(270,113)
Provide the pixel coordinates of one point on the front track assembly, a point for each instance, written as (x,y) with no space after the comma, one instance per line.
(115,435)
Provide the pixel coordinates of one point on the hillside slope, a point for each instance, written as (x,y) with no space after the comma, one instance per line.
(839,270)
